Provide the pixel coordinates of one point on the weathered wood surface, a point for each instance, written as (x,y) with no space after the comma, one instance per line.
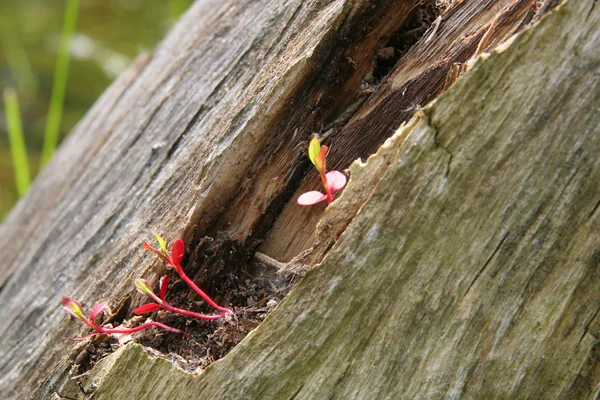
(462,31)
(164,149)
(471,272)
(205,136)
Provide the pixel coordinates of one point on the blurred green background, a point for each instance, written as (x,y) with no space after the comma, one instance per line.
(109,34)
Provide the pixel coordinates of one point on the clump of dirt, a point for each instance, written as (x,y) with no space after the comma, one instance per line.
(227,272)
(208,340)
(95,350)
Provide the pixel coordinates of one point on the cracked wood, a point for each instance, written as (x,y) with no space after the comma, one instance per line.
(173,146)
(389,299)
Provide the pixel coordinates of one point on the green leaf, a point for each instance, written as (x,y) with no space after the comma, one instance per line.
(143,286)
(314,148)
(161,242)
(73,307)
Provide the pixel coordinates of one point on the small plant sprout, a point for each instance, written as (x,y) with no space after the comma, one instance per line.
(332,180)
(74,308)
(173,260)
(143,286)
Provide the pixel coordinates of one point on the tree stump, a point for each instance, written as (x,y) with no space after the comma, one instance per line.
(462,260)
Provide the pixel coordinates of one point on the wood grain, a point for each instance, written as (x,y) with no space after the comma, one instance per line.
(463,30)
(206,136)
(472,271)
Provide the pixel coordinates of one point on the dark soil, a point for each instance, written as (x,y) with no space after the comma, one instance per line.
(228,273)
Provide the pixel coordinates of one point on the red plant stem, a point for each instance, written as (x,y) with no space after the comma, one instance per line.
(155,298)
(163,304)
(138,328)
(90,323)
(326,185)
(182,275)
(181,311)
(201,293)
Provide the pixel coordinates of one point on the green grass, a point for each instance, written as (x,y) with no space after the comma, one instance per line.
(18,63)
(17,141)
(47,107)
(59,85)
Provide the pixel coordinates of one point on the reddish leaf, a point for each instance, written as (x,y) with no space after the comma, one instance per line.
(163,286)
(73,307)
(143,286)
(97,310)
(146,308)
(310,198)
(177,251)
(320,159)
(147,246)
(336,180)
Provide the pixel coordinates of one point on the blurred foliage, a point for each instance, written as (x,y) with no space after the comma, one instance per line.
(108,36)
(16,141)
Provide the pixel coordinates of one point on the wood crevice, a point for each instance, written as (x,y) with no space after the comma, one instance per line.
(586,330)
(486,263)
(244,193)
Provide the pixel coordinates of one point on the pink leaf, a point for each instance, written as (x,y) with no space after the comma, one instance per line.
(146,308)
(163,286)
(97,310)
(143,286)
(177,251)
(310,198)
(336,180)
(73,307)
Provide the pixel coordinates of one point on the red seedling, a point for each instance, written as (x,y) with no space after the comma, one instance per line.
(332,180)
(74,308)
(173,260)
(143,286)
